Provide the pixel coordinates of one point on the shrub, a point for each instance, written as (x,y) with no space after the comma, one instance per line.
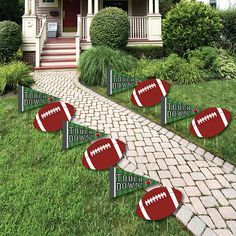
(13,74)
(204,58)
(147,52)
(94,63)
(10,40)
(110,28)
(173,69)
(229,29)
(225,65)
(190,25)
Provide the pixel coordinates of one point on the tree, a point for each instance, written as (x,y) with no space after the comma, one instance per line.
(11,10)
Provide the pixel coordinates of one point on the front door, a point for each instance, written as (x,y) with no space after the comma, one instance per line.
(123,4)
(70,10)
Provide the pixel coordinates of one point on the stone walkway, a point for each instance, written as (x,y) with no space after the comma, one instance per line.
(207,182)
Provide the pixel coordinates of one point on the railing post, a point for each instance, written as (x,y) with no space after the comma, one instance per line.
(38,51)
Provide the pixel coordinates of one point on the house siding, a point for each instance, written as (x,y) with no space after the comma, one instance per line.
(46,11)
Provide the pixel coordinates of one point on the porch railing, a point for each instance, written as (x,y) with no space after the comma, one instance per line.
(40,39)
(138,27)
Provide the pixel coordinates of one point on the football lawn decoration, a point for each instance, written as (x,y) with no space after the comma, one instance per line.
(149,92)
(122,182)
(118,82)
(29,99)
(51,116)
(159,203)
(103,154)
(210,122)
(172,110)
(75,134)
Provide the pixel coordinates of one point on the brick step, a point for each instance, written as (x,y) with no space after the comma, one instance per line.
(60,40)
(59,45)
(58,48)
(58,54)
(58,60)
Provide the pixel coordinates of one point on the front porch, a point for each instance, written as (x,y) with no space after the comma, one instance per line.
(74,17)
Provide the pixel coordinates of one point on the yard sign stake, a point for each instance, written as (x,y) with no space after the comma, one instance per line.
(74,134)
(172,111)
(122,182)
(29,99)
(118,82)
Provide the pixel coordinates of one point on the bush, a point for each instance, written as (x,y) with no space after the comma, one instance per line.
(229,29)
(173,69)
(225,65)
(216,63)
(94,63)
(146,52)
(204,58)
(13,74)
(110,28)
(10,40)
(190,25)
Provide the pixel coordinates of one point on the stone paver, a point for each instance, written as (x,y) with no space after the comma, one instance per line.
(207,182)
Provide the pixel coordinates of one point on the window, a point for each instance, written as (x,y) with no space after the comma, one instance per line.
(213,3)
(48,3)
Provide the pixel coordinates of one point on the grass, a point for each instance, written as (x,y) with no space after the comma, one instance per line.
(46,191)
(219,93)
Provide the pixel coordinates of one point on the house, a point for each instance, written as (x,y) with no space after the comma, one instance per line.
(73,19)
(220,4)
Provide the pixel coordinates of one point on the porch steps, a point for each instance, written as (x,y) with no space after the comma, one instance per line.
(58,53)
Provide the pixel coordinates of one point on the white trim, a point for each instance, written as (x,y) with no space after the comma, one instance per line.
(165,110)
(143,210)
(173,197)
(22,98)
(67,131)
(110,81)
(68,115)
(40,123)
(196,128)
(48,4)
(116,145)
(88,160)
(222,115)
(163,91)
(136,98)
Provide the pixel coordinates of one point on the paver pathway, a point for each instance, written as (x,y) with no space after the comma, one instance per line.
(207,182)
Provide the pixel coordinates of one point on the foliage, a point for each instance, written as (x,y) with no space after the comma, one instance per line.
(146,52)
(190,25)
(204,58)
(229,29)
(166,5)
(225,65)
(110,28)
(94,63)
(216,63)
(10,40)
(173,69)
(11,10)
(13,74)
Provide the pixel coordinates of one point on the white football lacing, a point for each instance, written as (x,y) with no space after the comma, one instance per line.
(155,198)
(146,88)
(50,112)
(206,118)
(100,149)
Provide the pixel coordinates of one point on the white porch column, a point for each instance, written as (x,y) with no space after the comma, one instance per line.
(26,7)
(95,7)
(90,7)
(150,7)
(156,6)
(33,7)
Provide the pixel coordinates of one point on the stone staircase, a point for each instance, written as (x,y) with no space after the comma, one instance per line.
(58,53)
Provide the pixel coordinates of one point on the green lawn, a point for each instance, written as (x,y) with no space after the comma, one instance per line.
(208,94)
(44,191)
